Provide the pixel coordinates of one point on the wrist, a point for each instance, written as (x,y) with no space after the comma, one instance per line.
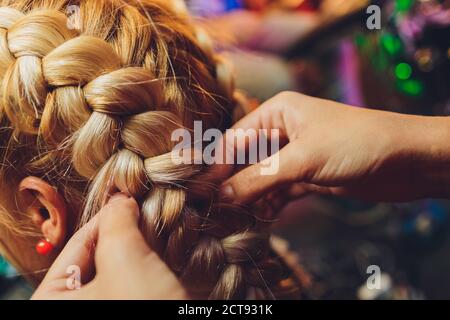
(426,141)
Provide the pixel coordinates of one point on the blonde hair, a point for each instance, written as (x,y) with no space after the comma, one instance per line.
(91,111)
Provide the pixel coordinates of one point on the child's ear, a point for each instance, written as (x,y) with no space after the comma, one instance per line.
(47,209)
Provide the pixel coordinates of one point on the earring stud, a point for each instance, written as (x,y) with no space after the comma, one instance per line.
(44,247)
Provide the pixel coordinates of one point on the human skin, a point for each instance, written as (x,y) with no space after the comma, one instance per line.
(109,240)
(336,149)
(330,149)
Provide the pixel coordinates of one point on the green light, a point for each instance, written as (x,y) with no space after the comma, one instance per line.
(404,5)
(403,71)
(360,40)
(391,43)
(411,87)
(380,61)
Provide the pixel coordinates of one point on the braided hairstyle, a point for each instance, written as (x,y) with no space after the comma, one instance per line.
(91,110)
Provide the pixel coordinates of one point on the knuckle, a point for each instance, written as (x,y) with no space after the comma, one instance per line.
(284,100)
(287,95)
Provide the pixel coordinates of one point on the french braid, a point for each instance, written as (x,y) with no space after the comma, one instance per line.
(95,109)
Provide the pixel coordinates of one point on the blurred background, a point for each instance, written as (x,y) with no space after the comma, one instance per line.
(325,48)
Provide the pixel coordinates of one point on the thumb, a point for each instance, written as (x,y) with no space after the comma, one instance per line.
(255,181)
(123,252)
(119,238)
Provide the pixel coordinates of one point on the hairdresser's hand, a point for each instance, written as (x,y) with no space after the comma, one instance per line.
(337,149)
(112,245)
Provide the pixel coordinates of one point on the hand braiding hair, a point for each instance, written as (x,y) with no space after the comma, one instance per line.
(95,108)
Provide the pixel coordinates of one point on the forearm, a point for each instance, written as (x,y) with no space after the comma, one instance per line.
(427,144)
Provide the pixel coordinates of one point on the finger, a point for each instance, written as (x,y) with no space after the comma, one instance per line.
(253,182)
(78,252)
(269,117)
(119,239)
(53,291)
(298,190)
(281,197)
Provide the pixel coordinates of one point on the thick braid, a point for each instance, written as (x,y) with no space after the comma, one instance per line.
(110,103)
(24,73)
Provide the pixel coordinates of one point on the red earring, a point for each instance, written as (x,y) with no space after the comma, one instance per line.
(44,247)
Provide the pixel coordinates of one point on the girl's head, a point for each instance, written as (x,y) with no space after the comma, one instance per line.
(90,93)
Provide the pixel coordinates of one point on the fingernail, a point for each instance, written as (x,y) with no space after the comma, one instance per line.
(227,191)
